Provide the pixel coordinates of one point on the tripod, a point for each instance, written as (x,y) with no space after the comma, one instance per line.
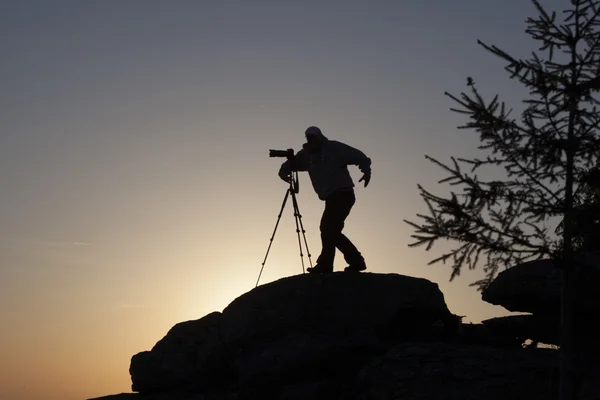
(292,190)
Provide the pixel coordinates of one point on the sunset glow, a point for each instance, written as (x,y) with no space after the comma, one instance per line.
(137,191)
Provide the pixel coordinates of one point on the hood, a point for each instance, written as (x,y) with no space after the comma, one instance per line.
(313,130)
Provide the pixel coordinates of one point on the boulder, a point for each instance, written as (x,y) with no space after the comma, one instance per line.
(350,336)
(546,329)
(192,353)
(420,371)
(535,287)
(460,372)
(335,305)
(292,328)
(478,334)
(300,328)
(537,328)
(451,371)
(305,357)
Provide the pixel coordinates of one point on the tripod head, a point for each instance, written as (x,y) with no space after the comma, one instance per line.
(289,154)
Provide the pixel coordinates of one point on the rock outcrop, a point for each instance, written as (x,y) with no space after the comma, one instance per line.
(279,330)
(192,351)
(535,287)
(343,336)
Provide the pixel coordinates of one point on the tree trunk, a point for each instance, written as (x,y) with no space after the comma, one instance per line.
(567,389)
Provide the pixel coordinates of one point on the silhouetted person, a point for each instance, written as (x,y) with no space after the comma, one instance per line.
(326,162)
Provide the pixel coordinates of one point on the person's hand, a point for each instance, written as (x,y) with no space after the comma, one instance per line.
(286,178)
(366,177)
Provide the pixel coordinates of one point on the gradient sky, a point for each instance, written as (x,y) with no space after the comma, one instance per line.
(137,191)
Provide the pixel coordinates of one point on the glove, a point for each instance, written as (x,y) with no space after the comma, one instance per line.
(366,177)
(285,177)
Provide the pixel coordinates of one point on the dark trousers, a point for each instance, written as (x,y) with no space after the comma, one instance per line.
(337,208)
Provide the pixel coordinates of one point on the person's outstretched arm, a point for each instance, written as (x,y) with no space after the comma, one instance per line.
(352,156)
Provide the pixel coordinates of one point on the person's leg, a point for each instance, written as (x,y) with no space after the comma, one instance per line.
(337,208)
(345,245)
(351,253)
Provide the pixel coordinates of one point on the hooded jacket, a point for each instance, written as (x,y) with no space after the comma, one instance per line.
(328,167)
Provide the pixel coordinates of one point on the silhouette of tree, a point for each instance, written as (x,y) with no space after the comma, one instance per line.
(586,216)
(547,155)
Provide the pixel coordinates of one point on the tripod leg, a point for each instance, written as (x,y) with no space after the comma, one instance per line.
(299,228)
(273,236)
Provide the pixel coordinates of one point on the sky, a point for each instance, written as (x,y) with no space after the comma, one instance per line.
(137,190)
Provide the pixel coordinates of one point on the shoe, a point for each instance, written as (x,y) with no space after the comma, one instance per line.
(355,268)
(320,269)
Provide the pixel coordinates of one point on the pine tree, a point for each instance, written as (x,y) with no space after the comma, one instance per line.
(548,154)
(586,216)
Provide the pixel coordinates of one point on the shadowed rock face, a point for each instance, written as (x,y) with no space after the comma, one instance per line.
(343,336)
(535,287)
(415,371)
(445,371)
(277,329)
(333,305)
(529,287)
(191,351)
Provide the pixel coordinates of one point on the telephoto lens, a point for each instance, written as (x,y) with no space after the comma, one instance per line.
(289,153)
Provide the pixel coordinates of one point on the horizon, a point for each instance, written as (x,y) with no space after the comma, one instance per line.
(139,192)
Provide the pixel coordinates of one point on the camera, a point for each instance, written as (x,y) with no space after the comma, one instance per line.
(289,153)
